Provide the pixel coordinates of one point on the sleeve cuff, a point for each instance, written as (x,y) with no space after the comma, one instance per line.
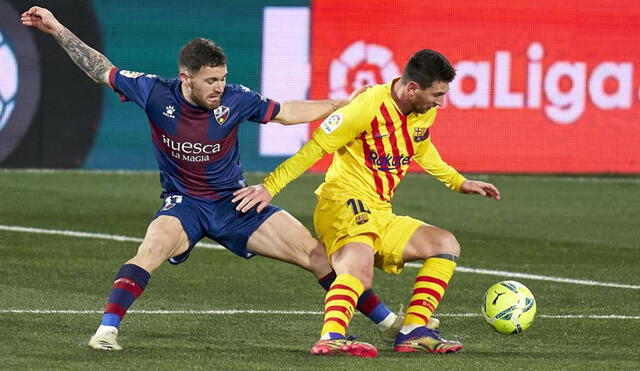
(112,82)
(272,111)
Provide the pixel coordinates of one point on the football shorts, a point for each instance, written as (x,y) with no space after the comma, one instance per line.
(340,222)
(218,220)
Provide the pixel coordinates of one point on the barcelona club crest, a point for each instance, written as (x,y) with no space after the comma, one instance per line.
(222,114)
(361,219)
(420,134)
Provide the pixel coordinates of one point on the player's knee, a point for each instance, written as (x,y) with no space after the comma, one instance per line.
(155,248)
(366,278)
(317,258)
(150,255)
(446,243)
(164,238)
(443,242)
(306,252)
(361,268)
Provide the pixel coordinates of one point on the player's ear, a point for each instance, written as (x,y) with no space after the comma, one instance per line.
(412,87)
(184,75)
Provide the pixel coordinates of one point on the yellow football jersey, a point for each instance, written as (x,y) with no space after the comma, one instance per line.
(373,144)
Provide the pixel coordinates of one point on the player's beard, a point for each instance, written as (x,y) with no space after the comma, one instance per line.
(421,109)
(202,103)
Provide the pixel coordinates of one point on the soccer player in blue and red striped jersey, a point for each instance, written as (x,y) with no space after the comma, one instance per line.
(194,120)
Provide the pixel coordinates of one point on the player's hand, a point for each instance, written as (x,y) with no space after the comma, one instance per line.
(481,188)
(251,196)
(357,92)
(343,102)
(41,19)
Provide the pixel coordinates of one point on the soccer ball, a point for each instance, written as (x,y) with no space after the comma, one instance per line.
(509,307)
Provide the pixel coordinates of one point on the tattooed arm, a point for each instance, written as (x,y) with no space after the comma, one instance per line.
(94,64)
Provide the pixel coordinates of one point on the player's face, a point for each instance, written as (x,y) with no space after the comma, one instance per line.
(207,85)
(423,100)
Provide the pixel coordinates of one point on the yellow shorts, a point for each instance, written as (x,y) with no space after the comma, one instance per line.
(340,222)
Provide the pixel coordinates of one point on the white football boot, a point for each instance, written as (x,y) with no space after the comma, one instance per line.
(105,339)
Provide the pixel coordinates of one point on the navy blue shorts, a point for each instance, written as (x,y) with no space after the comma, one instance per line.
(218,220)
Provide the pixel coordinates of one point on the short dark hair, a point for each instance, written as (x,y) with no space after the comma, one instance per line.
(201,52)
(427,66)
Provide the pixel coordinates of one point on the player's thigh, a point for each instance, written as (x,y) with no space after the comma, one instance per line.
(428,241)
(356,259)
(284,238)
(395,236)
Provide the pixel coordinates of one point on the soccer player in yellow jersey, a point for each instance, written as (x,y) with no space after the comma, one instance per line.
(373,139)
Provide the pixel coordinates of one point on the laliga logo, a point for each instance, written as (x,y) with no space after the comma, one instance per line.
(358,65)
(361,64)
(565,105)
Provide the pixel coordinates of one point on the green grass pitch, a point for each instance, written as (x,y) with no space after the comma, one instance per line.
(578,237)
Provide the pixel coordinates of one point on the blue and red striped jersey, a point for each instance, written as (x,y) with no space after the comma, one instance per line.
(196,149)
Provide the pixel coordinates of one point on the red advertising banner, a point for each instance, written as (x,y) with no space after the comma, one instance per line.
(541,86)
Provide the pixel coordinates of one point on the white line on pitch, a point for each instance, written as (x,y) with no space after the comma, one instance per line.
(414,265)
(99,236)
(537,277)
(293,312)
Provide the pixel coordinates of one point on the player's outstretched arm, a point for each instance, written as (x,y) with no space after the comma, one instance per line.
(259,196)
(301,111)
(94,64)
(481,188)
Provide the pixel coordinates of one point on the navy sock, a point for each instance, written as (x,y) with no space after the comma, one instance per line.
(130,282)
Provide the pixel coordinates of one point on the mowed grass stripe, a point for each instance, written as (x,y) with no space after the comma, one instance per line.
(216,246)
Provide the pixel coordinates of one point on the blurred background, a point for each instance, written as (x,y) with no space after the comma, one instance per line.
(542,87)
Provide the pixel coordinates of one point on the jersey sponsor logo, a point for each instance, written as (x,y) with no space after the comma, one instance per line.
(190,151)
(420,134)
(131,74)
(388,162)
(222,114)
(331,123)
(169,110)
